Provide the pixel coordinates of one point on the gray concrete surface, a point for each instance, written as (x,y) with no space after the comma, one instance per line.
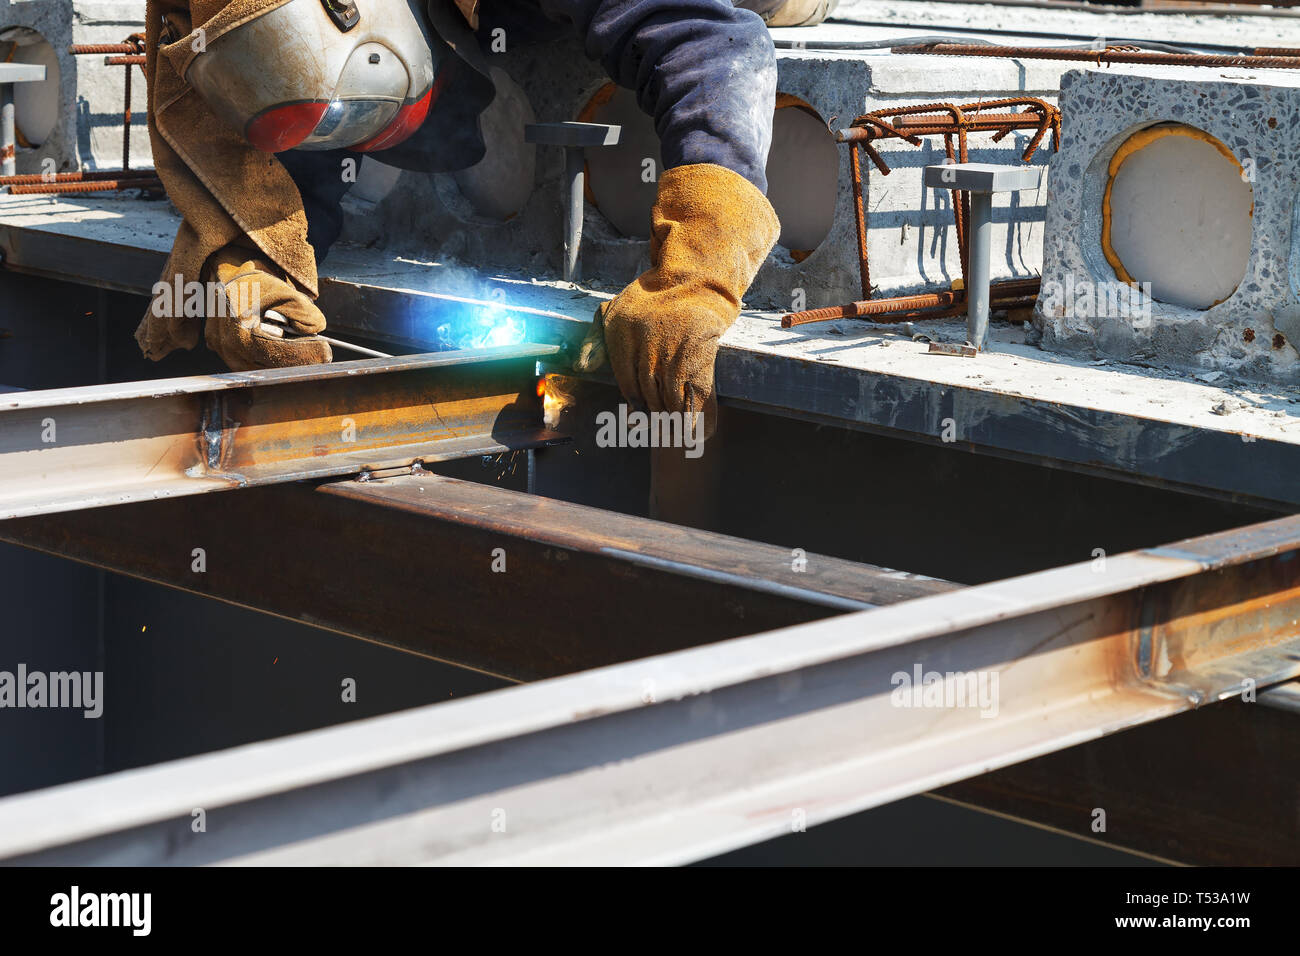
(1256,116)
(75,117)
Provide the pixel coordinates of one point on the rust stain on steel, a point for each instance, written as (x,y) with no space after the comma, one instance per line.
(1229,611)
(294,421)
(208,433)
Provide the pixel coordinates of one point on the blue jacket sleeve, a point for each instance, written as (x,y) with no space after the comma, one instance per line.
(703,69)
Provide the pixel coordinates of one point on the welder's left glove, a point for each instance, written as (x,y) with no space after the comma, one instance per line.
(710,231)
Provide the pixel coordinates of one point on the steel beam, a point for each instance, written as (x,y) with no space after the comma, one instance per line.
(412,562)
(70,448)
(690,754)
(1082,428)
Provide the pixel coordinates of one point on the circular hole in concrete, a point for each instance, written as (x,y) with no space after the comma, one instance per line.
(802,169)
(623,180)
(802,175)
(499,184)
(36,105)
(1177,213)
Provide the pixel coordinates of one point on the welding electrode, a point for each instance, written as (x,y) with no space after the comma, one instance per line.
(273,323)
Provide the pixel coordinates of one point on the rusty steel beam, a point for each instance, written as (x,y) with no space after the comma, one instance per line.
(687,755)
(411,562)
(71,448)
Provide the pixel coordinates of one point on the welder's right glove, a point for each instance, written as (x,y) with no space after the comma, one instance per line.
(710,231)
(243,334)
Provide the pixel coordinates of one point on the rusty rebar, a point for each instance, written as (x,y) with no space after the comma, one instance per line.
(959,217)
(1103,57)
(901,308)
(128,53)
(923,119)
(859,196)
(92,49)
(97,186)
(126,120)
(31,179)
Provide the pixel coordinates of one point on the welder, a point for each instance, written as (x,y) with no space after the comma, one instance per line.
(254,102)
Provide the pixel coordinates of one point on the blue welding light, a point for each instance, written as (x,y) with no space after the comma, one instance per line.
(482,326)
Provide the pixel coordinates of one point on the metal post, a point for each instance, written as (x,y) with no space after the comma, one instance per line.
(126,119)
(980,181)
(575,138)
(575,181)
(8,140)
(981,248)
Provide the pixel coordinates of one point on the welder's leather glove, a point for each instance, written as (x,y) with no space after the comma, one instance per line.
(710,231)
(241,334)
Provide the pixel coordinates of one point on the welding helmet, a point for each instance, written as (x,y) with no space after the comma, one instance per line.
(324,74)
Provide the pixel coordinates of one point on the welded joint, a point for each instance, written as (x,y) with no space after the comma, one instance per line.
(371,473)
(213,438)
(1151,655)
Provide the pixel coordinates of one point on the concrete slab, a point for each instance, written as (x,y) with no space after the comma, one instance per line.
(1221,438)
(73,119)
(1245,122)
